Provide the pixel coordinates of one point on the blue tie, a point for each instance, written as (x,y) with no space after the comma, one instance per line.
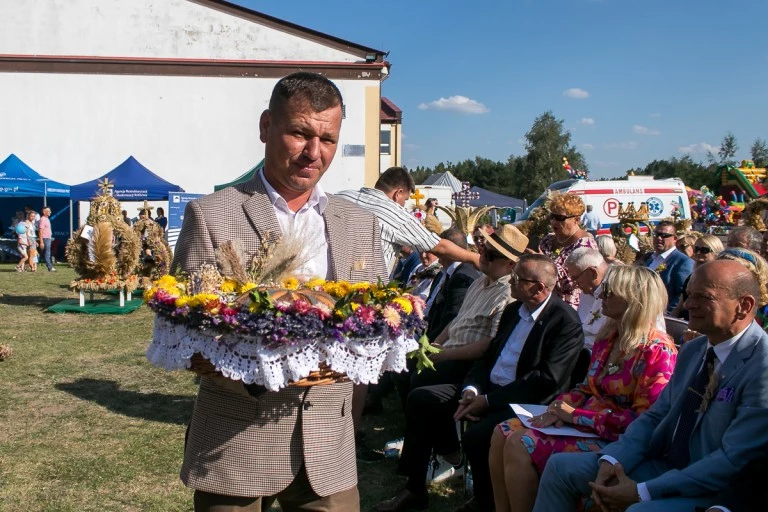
(679,453)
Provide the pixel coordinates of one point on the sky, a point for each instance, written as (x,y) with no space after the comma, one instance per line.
(632,80)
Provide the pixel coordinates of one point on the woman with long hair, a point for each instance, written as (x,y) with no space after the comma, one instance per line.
(631,364)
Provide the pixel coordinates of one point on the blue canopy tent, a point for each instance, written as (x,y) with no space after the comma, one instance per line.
(132,182)
(17,179)
(20,187)
(488,198)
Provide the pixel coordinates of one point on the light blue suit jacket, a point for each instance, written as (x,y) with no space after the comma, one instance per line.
(732,432)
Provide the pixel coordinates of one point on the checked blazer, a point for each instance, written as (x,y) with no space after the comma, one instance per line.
(239,445)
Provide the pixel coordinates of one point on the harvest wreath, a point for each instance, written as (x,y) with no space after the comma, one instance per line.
(283,332)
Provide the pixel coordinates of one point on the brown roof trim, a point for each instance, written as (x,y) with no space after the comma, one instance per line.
(364,52)
(187,67)
(390,113)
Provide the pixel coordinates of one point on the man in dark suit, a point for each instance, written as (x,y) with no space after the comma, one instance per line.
(247,446)
(530,360)
(673,266)
(448,291)
(707,424)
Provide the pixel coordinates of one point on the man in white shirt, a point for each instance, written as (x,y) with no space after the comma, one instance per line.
(706,426)
(672,266)
(591,221)
(587,268)
(398,226)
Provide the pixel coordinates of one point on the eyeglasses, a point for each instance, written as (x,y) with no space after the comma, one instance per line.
(575,278)
(605,293)
(683,246)
(492,255)
(702,250)
(516,279)
(659,234)
(561,218)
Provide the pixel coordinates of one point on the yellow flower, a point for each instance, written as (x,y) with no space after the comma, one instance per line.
(291,283)
(362,286)
(344,288)
(167,281)
(182,301)
(229,286)
(149,293)
(201,299)
(405,305)
(314,283)
(247,287)
(380,295)
(354,306)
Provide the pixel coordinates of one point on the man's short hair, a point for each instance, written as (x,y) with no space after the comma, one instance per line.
(456,236)
(395,178)
(543,266)
(316,90)
(749,235)
(665,223)
(589,207)
(584,258)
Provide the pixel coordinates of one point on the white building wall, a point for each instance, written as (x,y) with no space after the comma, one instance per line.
(147,28)
(192,131)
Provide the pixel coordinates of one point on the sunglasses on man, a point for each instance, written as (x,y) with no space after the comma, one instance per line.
(561,218)
(659,234)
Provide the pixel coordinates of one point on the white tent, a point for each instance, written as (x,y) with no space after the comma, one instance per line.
(445,179)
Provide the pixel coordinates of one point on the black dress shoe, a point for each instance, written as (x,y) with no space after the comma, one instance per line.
(403,501)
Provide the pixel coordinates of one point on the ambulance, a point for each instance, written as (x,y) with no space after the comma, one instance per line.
(664,197)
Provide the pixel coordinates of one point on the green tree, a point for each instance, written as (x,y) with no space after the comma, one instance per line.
(693,174)
(547,142)
(759,152)
(728,149)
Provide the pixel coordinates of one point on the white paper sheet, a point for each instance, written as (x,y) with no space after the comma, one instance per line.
(525,412)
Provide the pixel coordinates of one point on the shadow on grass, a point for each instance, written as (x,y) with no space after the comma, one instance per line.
(175,409)
(40,301)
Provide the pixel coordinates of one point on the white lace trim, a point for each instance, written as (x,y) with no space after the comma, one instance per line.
(243,358)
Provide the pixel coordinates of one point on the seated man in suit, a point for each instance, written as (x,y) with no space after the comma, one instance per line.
(707,425)
(529,360)
(673,266)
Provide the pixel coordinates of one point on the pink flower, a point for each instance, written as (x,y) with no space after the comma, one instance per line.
(301,306)
(391,317)
(367,314)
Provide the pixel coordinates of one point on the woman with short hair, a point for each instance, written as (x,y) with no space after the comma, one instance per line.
(631,364)
(567,236)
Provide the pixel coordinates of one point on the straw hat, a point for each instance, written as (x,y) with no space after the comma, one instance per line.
(508,240)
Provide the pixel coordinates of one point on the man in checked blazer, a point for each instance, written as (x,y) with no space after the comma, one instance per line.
(247,447)
(690,444)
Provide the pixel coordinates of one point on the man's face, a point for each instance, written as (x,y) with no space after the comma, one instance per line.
(493,264)
(47,212)
(737,240)
(664,238)
(524,283)
(300,145)
(710,307)
(586,279)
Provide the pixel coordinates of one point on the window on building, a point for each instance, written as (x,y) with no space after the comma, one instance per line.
(386,142)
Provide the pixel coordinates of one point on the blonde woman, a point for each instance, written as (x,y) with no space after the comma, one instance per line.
(607,248)
(630,366)
(567,236)
(705,248)
(685,244)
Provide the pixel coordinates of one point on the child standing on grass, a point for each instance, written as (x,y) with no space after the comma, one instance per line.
(31,240)
(22,242)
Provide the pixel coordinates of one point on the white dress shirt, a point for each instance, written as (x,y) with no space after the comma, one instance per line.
(446,273)
(505,369)
(308,223)
(590,312)
(658,259)
(722,351)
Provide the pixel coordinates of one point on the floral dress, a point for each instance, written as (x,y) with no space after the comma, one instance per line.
(565,287)
(606,403)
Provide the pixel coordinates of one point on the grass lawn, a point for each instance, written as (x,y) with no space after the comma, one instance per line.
(86,424)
